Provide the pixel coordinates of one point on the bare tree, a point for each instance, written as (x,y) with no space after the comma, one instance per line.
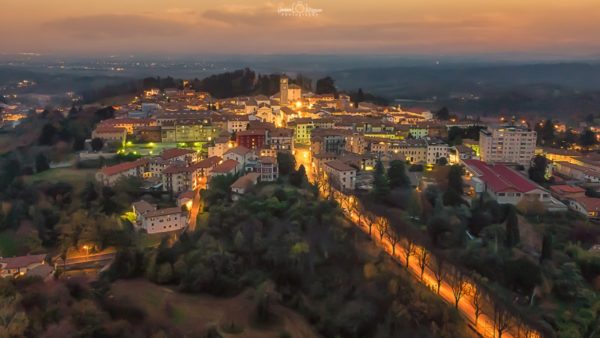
(439,272)
(478,301)
(409,250)
(382,225)
(458,285)
(370,220)
(424,258)
(501,319)
(393,237)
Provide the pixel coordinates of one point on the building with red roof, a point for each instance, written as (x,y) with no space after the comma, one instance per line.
(252,139)
(565,191)
(227,167)
(111,174)
(504,184)
(19,266)
(587,206)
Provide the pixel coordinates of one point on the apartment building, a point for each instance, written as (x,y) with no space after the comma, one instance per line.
(507,144)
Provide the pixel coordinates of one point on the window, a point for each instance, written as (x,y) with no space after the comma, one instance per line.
(501,194)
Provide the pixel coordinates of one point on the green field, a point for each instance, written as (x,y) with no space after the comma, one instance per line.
(76,177)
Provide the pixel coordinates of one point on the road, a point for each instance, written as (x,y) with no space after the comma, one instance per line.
(194,211)
(485,325)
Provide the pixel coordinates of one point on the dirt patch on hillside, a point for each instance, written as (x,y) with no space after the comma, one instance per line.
(193,315)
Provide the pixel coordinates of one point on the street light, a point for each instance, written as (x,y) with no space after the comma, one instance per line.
(87,250)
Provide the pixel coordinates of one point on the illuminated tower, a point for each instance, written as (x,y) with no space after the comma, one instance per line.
(283,90)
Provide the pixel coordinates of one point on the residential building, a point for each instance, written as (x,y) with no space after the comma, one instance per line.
(128,124)
(328,140)
(587,206)
(282,139)
(237,123)
(21,265)
(564,191)
(577,172)
(242,184)
(252,139)
(436,150)
(340,175)
(154,220)
(110,134)
(506,185)
(227,167)
(507,144)
(110,175)
(219,146)
(302,130)
(240,154)
(268,169)
(179,154)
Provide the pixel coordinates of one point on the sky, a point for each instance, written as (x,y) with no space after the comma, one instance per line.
(403,27)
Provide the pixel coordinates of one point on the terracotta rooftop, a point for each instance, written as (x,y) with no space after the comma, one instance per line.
(239,150)
(168,154)
(566,189)
(501,178)
(339,165)
(21,261)
(121,167)
(207,163)
(225,167)
(589,203)
(143,207)
(164,212)
(245,181)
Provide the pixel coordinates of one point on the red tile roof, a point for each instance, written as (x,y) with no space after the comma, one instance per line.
(339,165)
(226,167)
(566,189)
(500,178)
(589,203)
(207,163)
(121,167)
(168,154)
(21,261)
(239,150)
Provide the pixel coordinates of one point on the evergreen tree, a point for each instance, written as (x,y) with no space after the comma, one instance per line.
(546,247)
(381,187)
(537,171)
(97,144)
(587,138)
(397,175)
(512,228)
(41,163)
(455,181)
(326,85)
(443,114)
(547,136)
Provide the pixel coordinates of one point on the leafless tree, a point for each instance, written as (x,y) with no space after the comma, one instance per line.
(439,271)
(501,319)
(393,237)
(424,257)
(478,302)
(370,220)
(409,250)
(382,225)
(458,284)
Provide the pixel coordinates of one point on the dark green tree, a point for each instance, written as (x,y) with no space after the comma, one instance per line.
(587,138)
(512,228)
(286,162)
(381,186)
(546,134)
(97,144)
(455,181)
(41,163)
(298,177)
(397,175)
(443,114)
(537,171)
(326,85)
(546,247)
